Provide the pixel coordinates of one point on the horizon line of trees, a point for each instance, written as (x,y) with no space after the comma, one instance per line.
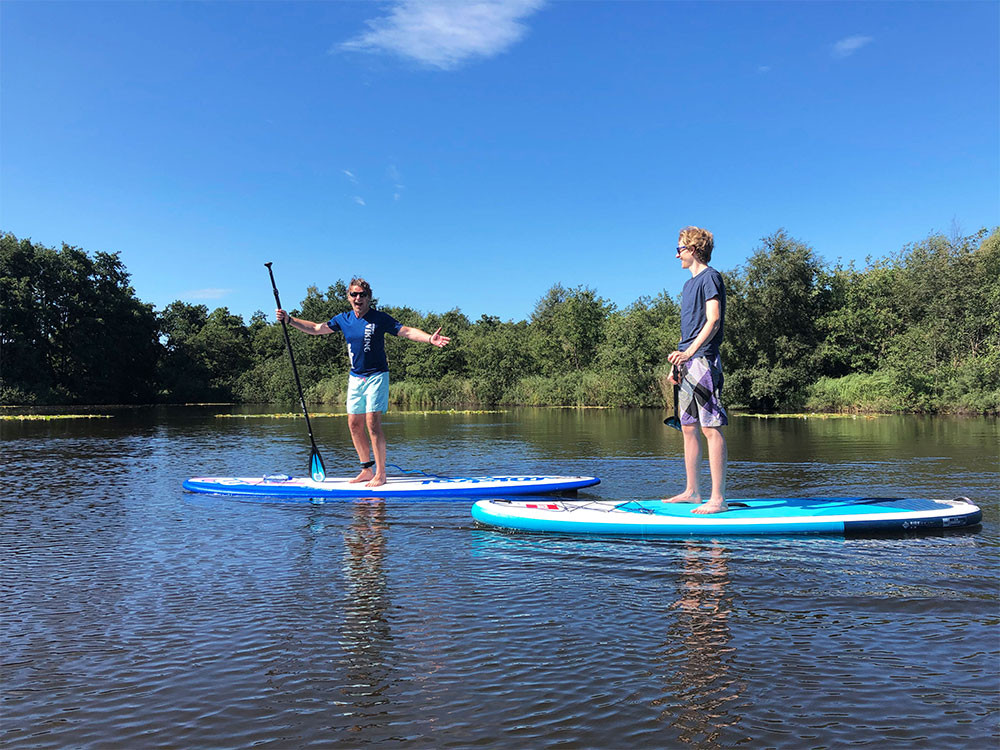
(918,330)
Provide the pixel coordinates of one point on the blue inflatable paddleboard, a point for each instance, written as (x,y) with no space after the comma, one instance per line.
(283,488)
(845,516)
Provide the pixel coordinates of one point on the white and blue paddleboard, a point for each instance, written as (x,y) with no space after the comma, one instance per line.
(845,516)
(283,488)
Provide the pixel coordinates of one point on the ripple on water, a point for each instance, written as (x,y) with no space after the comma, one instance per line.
(144,619)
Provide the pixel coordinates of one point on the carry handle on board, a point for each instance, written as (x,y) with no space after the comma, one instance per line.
(316,469)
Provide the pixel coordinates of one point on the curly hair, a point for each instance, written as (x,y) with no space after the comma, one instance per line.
(699,241)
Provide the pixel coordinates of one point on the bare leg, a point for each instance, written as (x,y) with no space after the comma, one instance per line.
(356,423)
(374,419)
(692,461)
(717,456)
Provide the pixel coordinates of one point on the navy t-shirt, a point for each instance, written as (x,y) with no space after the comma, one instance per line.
(365,339)
(697,291)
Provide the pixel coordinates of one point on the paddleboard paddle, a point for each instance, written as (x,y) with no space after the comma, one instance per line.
(674,421)
(316,469)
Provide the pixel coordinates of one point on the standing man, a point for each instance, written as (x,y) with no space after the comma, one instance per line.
(364,328)
(697,368)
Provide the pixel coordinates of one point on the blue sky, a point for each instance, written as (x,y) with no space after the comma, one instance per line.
(471,155)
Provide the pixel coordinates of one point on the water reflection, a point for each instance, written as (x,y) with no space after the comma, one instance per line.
(366,634)
(702,686)
(144,616)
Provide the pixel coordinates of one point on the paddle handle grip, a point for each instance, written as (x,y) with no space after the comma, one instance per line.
(274,287)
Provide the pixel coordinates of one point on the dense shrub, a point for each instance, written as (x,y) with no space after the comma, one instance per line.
(915,331)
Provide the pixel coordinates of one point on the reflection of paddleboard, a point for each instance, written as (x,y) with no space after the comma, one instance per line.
(850,515)
(280,487)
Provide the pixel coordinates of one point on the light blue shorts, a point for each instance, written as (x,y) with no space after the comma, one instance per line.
(368,394)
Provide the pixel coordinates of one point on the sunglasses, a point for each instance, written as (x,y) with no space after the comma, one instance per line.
(682,248)
(357,294)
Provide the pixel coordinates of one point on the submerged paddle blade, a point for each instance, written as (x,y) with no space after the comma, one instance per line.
(316,468)
(672,422)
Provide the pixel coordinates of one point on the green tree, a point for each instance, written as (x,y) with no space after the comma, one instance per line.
(567,326)
(867,313)
(497,357)
(268,379)
(319,358)
(184,374)
(72,329)
(948,288)
(223,343)
(25,366)
(636,343)
(206,354)
(772,339)
(422,362)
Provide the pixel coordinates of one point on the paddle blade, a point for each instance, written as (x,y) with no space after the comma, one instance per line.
(672,422)
(316,468)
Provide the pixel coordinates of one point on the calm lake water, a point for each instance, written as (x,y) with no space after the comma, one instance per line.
(136,615)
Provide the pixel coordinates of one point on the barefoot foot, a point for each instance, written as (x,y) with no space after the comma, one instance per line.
(377,481)
(364,476)
(684,497)
(712,506)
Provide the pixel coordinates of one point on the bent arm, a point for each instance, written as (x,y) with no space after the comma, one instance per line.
(415,334)
(306,326)
(713,319)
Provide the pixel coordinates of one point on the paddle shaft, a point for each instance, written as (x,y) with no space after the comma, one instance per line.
(674,421)
(295,370)
(677,389)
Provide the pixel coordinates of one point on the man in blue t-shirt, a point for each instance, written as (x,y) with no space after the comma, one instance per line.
(697,369)
(364,329)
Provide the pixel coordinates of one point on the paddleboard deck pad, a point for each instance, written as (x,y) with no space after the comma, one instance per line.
(848,516)
(284,488)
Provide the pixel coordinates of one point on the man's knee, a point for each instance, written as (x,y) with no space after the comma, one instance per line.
(713,434)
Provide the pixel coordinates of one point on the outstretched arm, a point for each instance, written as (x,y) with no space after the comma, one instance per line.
(415,334)
(306,326)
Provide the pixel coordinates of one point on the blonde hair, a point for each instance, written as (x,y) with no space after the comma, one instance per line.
(699,241)
(358,281)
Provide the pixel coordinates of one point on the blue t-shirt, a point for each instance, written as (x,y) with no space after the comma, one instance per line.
(697,291)
(365,339)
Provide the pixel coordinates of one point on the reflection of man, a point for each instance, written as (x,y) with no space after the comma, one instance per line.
(365,632)
(697,367)
(705,690)
(364,329)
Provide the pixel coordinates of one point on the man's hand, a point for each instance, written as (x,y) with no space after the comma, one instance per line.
(678,357)
(437,339)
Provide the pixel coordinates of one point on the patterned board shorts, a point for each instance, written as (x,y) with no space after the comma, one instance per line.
(699,400)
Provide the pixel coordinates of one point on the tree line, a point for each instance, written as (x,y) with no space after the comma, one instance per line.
(918,331)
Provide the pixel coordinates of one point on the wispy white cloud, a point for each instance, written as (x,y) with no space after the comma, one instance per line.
(350,175)
(359,200)
(763,68)
(849,45)
(445,34)
(206,293)
(397,182)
